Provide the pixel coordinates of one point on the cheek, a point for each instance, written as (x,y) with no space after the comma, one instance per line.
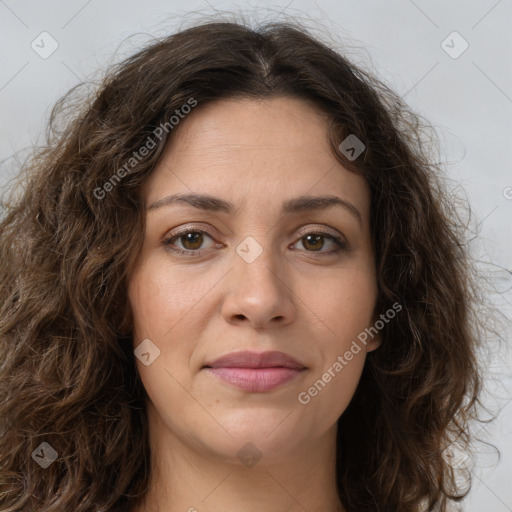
(148,295)
(162,308)
(345,308)
(350,313)
(345,304)
(160,296)
(340,385)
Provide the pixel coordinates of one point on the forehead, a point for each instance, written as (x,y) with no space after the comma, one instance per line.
(254,150)
(282,122)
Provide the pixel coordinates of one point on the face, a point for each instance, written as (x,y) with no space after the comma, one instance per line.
(244,273)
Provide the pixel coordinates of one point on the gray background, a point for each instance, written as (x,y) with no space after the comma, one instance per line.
(468,99)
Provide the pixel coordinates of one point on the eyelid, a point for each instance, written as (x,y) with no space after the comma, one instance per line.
(302,231)
(186,229)
(324,230)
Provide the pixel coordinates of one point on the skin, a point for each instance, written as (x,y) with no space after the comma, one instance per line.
(291,298)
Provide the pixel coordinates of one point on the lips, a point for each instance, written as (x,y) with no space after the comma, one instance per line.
(255,372)
(248,359)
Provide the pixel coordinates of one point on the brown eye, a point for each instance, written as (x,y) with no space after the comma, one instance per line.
(315,242)
(188,241)
(192,240)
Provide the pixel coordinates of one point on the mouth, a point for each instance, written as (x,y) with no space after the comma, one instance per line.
(255,372)
(256,380)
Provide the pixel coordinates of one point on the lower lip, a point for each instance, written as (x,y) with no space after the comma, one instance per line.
(256,379)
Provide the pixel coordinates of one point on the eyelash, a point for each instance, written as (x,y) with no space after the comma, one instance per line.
(340,243)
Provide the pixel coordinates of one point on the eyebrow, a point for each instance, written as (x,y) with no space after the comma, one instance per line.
(296,205)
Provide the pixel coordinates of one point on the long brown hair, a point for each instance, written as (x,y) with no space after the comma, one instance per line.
(68,376)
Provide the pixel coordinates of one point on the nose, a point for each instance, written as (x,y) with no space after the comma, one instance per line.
(259,294)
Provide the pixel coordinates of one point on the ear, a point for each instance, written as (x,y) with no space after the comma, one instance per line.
(374,342)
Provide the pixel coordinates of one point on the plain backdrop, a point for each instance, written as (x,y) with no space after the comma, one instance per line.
(450,60)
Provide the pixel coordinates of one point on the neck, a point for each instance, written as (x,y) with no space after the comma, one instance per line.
(193,479)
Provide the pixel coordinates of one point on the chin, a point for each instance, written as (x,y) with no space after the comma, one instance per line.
(269,432)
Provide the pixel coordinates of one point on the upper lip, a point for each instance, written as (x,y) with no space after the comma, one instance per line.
(247,359)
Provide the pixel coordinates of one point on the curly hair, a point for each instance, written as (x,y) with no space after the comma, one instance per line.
(69,240)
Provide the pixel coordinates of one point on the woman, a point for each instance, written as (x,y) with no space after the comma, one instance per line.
(234,281)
